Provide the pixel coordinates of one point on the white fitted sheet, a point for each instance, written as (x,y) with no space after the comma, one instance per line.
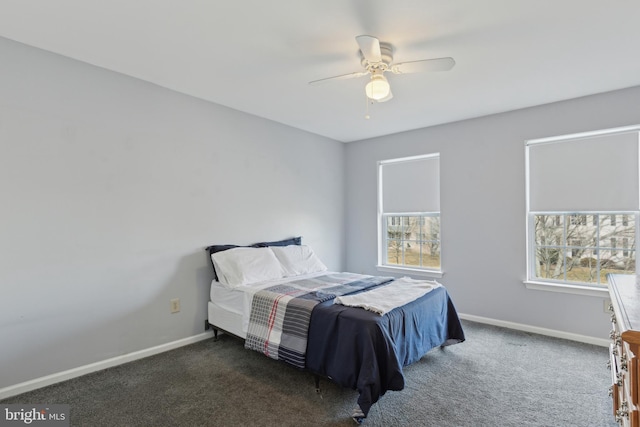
(231,300)
(226,320)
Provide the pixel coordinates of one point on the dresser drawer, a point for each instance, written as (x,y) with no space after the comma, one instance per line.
(629,366)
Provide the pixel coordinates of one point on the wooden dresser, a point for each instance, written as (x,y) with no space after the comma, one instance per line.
(624,290)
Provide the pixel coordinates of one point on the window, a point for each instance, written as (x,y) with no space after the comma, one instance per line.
(582,204)
(409,213)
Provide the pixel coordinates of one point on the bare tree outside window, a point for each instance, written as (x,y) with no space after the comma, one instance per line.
(399,231)
(583,247)
(413,240)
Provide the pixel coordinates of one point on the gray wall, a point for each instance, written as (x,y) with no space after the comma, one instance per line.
(111,188)
(483,207)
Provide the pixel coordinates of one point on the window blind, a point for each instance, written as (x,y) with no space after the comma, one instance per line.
(598,173)
(411,185)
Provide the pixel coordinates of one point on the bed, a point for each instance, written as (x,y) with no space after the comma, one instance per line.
(357,330)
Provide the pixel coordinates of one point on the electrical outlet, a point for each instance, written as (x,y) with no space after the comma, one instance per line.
(607,306)
(175,305)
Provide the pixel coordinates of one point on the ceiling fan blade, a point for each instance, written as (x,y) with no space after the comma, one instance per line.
(341,77)
(437,64)
(370,48)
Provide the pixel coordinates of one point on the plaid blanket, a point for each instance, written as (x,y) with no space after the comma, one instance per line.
(280,315)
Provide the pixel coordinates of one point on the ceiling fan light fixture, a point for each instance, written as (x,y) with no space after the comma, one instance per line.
(378,87)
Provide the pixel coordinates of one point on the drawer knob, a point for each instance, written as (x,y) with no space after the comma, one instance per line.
(623,412)
(615,337)
(619,378)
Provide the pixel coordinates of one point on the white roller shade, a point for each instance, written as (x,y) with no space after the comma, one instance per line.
(597,173)
(411,185)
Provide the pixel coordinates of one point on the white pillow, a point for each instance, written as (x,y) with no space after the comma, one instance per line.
(243,266)
(298,259)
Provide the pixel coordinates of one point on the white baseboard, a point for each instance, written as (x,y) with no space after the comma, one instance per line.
(97,366)
(537,330)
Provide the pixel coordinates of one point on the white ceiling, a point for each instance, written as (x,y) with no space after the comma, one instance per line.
(258,56)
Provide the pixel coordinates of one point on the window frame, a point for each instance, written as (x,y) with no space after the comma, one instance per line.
(382,261)
(532,282)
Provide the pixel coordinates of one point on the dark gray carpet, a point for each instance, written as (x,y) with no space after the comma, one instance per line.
(498,377)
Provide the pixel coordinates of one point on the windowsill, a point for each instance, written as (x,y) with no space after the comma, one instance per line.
(412,271)
(567,289)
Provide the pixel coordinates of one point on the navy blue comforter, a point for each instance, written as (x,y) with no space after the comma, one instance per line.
(362,350)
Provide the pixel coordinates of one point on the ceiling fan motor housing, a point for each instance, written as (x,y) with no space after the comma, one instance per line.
(386,53)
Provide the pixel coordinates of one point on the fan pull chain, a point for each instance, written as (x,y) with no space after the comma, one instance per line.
(366,99)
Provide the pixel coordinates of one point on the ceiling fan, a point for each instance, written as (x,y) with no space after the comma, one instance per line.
(376,58)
